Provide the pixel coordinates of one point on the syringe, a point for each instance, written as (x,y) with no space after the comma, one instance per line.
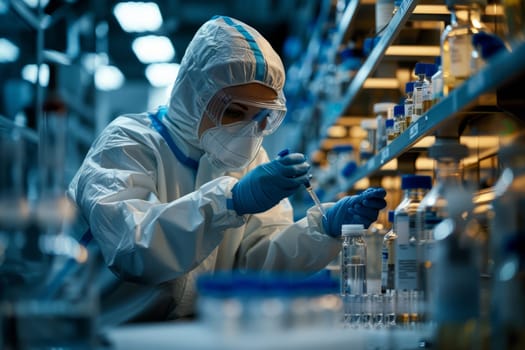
(308,187)
(314,197)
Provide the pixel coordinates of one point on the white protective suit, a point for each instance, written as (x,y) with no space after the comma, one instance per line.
(160,219)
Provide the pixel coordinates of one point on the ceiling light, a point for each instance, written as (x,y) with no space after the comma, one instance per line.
(390,165)
(391,182)
(362,184)
(138,16)
(153,48)
(8,51)
(337,131)
(494,10)
(424,163)
(477,142)
(162,74)
(30,72)
(381,83)
(431,10)
(91,61)
(425,142)
(413,50)
(108,78)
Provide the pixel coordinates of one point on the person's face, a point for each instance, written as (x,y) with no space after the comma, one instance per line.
(237,111)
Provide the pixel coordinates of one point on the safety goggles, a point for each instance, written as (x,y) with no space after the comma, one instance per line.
(258,118)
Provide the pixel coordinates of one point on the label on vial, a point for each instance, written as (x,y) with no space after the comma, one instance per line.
(409,109)
(460,55)
(418,99)
(406,254)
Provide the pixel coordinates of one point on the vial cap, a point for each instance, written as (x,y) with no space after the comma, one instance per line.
(409,87)
(399,110)
(352,230)
(431,69)
(391,215)
(389,123)
(383,107)
(416,181)
(421,68)
(369,124)
(444,148)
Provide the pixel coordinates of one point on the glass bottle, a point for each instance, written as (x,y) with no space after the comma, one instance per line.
(353,260)
(508,249)
(430,70)
(391,132)
(400,122)
(448,154)
(456,41)
(409,102)
(367,146)
(388,256)
(414,189)
(420,85)
(456,305)
(381,111)
(437,82)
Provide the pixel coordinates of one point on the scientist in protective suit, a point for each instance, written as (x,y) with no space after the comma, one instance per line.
(167,195)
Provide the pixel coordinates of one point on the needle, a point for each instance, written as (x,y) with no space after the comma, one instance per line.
(309,188)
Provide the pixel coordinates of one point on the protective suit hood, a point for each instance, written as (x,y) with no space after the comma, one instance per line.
(224,52)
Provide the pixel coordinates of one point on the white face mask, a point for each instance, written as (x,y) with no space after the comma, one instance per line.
(226,149)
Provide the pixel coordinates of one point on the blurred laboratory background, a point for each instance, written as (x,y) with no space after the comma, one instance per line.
(421,97)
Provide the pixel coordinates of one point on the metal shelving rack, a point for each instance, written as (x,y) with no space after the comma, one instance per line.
(443,118)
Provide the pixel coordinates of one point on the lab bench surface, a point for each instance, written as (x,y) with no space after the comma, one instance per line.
(196,336)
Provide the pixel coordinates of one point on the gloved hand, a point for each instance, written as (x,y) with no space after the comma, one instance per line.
(265,186)
(359,209)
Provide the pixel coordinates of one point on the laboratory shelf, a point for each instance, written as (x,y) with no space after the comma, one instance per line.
(445,117)
(373,60)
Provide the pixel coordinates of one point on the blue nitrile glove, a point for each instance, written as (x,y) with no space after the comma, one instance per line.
(359,209)
(266,185)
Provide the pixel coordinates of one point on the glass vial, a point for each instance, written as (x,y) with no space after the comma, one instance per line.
(388,257)
(353,260)
(409,102)
(381,111)
(420,86)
